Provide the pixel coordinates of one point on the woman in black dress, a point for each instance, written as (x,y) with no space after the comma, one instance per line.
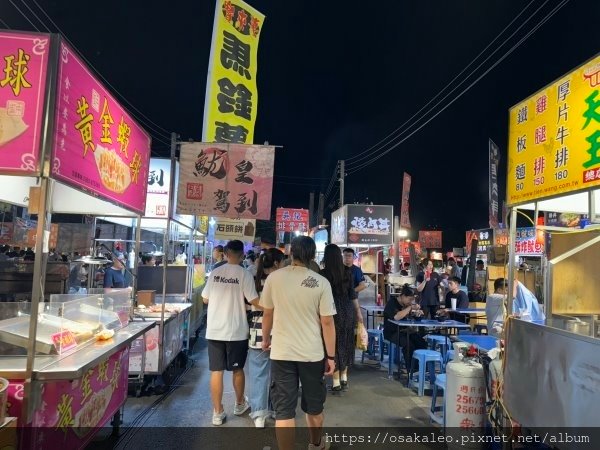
(346,304)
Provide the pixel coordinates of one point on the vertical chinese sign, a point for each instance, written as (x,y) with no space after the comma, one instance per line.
(23,62)
(291,220)
(159,182)
(493,184)
(404,209)
(231,91)
(226,180)
(97,147)
(554,138)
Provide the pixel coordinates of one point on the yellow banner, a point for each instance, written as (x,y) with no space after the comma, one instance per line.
(231,93)
(554,138)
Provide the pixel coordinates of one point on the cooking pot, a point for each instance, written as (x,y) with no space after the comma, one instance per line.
(578,327)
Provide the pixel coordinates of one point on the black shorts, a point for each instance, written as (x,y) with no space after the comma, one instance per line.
(284,387)
(227,355)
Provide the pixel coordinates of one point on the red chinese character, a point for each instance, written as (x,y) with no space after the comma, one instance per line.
(194,191)
(228,10)
(242,20)
(467,423)
(255,26)
(464,388)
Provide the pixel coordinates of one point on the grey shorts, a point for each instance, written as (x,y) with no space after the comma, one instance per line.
(284,387)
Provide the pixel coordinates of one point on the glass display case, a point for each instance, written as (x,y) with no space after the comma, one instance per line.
(64,324)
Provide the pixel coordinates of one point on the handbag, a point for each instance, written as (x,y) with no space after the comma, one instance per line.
(362,338)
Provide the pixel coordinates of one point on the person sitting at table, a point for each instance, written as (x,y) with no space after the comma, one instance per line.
(460,297)
(398,308)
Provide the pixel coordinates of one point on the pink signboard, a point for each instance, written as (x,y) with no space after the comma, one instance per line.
(226,180)
(71,410)
(23,63)
(97,145)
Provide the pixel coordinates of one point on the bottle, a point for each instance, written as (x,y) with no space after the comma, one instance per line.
(131,259)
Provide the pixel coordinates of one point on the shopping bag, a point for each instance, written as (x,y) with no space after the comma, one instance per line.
(362,337)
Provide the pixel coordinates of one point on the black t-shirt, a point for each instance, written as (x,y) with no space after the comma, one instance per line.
(429,294)
(462,299)
(391,309)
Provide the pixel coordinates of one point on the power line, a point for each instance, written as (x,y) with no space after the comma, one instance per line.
(4,23)
(355,159)
(332,180)
(502,58)
(24,15)
(162,132)
(36,16)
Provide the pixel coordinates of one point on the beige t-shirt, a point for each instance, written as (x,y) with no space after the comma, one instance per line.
(299,298)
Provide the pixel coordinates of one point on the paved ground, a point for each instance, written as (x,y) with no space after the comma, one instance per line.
(182,417)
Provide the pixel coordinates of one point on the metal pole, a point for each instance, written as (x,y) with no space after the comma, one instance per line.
(511,258)
(342,173)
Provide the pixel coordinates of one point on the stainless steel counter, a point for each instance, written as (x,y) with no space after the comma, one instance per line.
(75,364)
(551,376)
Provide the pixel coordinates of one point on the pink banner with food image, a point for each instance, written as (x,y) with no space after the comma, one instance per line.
(23,69)
(97,145)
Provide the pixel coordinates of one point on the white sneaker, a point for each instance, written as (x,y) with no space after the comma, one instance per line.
(238,410)
(324,445)
(219,418)
(259,422)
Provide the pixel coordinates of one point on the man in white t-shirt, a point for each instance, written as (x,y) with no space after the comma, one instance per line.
(299,309)
(227,327)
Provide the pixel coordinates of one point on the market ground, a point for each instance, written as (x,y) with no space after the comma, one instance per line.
(182,418)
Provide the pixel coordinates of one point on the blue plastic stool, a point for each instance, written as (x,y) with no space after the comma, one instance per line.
(449,356)
(440,383)
(393,353)
(437,341)
(424,357)
(375,340)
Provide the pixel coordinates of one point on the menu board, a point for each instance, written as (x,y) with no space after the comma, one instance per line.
(554,138)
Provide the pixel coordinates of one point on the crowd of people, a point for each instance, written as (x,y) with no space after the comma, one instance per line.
(292,321)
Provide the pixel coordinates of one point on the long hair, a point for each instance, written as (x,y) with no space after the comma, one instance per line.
(335,271)
(266,260)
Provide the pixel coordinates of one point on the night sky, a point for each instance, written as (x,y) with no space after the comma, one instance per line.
(335,78)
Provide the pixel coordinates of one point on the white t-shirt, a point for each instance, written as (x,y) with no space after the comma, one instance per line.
(494,311)
(299,298)
(226,313)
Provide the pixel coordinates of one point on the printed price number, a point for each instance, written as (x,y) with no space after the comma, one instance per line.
(538,181)
(519,186)
(561,175)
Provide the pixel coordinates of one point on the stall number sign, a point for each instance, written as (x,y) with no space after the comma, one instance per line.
(63,341)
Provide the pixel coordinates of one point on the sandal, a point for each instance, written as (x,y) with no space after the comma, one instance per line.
(335,390)
(344,385)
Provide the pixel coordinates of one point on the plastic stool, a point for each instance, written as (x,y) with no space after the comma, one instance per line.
(436,341)
(424,357)
(393,352)
(440,383)
(449,356)
(375,337)
(480,328)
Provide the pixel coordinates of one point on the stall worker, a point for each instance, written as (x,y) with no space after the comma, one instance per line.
(148,260)
(114,277)
(494,307)
(427,285)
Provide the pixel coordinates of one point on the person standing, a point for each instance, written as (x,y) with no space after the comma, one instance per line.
(114,276)
(495,305)
(358,278)
(218,256)
(348,311)
(227,328)
(427,285)
(259,360)
(299,308)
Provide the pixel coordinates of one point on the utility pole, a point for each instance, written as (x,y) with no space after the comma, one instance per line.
(311,210)
(342,173)
(320,208)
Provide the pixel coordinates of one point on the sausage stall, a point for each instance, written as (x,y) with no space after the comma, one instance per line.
(552,369)
(66,359)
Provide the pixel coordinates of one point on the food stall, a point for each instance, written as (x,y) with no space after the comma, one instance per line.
(364,227)
(65,359)
(165,291)
(551,369)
